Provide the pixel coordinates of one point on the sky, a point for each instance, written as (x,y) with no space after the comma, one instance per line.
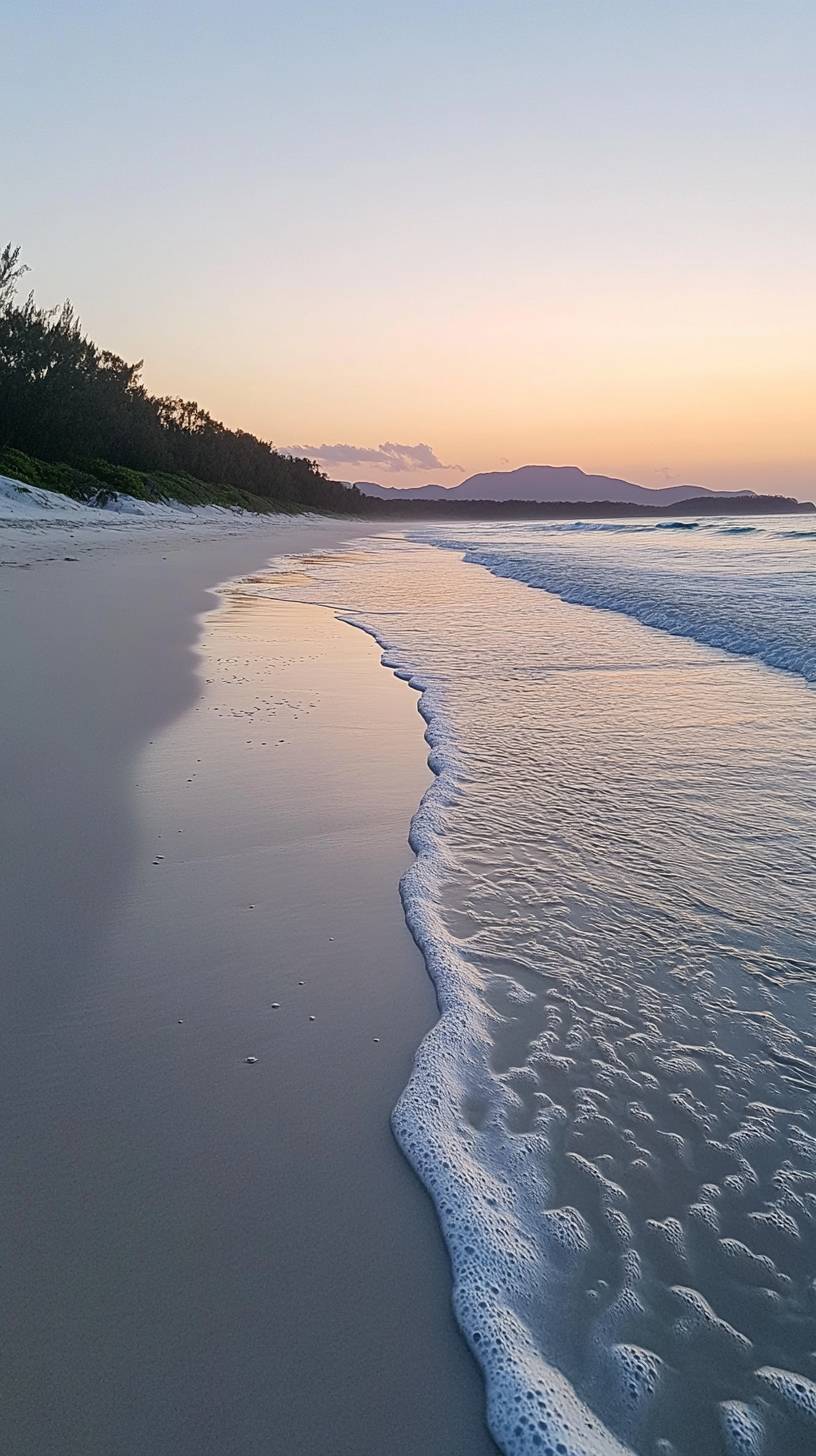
(417,241)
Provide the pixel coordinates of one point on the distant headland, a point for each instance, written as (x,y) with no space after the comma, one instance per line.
(77,419)
(557,490)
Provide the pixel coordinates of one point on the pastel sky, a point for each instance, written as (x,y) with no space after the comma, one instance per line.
(464,235)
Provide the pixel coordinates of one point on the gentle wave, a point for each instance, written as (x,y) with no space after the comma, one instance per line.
(635,527)
(486,1207)
(762,618)
(613,893)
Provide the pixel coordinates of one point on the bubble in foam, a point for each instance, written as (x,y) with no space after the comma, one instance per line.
(677,1146)
(611,1194)
(698,1319)
(619,1227)
(804,1144)
(668,1233)
(776,1225)
(637,1374)
(692,1109)
(794,1395)
(704,1217)
(519,995)
(533,1410)
(742,1427)
(638,1112)
(685,1068)
(753,1268)
(751,1136)
(566,1235)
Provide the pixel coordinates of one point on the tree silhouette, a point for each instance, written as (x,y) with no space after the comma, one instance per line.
(62,398)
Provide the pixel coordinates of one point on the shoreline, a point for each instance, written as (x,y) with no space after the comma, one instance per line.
(586,954)
(206,1258)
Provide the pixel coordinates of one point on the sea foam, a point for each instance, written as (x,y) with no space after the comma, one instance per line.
(614,1113)
(760,604)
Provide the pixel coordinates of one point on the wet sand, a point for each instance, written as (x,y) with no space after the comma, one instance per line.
(206,1256)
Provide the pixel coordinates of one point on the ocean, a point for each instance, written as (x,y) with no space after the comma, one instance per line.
(614,894)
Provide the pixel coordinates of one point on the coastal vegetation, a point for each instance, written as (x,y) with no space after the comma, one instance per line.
(97,482)
(77,418)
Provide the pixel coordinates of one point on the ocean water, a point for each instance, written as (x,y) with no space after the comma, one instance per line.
(614,894)
(747,586)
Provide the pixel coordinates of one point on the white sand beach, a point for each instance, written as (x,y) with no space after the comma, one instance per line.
(205,818)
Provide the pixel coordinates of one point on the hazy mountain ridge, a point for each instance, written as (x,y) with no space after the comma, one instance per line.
(545,483)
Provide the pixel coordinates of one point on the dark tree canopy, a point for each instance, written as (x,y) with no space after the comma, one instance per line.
(62,398)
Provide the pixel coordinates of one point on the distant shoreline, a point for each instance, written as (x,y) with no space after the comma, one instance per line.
(42,484)
(747,505)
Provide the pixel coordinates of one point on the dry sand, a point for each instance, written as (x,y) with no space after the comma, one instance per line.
(206,1257)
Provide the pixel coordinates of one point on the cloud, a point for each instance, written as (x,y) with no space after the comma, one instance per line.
(389,456)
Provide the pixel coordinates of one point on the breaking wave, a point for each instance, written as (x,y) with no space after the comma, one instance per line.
(763,607)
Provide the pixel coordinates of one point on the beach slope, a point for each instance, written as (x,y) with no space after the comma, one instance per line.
(205,816)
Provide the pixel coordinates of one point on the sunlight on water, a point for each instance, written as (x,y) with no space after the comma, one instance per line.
(614,892)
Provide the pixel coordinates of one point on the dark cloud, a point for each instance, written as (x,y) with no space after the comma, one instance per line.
(389,456)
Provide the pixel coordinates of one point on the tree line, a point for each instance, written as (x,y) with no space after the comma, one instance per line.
(63,398)
(86,417)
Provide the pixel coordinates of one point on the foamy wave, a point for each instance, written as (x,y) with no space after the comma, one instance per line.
(613,1113)
(634,527)
(484,1206)
(752,617)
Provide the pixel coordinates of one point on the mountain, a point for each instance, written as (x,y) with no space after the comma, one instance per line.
(548,483)
(393,492)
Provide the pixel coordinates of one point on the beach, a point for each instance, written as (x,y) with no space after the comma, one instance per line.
(613,893)
(224,819)
(206,808)
(408,730)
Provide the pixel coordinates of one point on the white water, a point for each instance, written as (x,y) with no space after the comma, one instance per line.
(746,586)
(614,893)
